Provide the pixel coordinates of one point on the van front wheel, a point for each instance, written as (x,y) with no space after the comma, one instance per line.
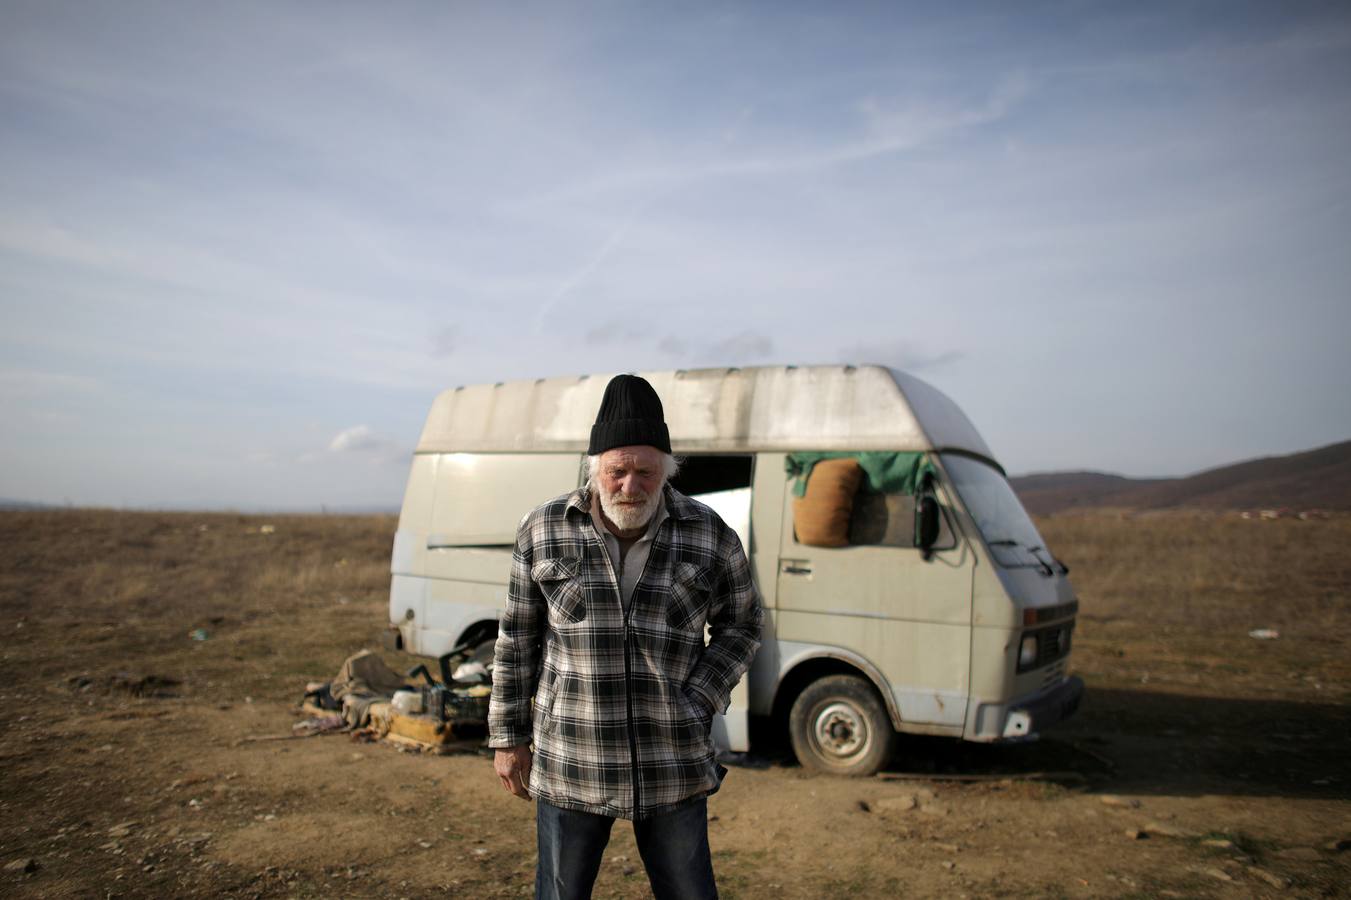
(839,726)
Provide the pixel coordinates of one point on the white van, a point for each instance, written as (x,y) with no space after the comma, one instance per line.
(943,615)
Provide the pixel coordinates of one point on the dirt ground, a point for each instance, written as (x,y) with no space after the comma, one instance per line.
(143,651)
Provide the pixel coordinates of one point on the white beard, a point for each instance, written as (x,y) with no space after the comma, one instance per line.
(628,516)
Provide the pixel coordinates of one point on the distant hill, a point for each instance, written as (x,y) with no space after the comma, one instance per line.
(1059,491)
(1314,479)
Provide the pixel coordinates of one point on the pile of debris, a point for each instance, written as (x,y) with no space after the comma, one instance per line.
(373,702)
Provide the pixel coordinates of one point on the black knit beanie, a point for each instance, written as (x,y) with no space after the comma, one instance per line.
(630,414)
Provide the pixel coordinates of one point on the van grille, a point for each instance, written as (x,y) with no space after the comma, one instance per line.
(1053,644)
(1053,675)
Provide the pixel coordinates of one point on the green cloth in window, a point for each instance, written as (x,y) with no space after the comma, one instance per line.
(887,472)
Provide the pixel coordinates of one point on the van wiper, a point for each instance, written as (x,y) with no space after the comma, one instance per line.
(1042,566)
(1064,569)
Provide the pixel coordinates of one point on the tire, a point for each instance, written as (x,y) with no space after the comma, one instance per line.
(839,726)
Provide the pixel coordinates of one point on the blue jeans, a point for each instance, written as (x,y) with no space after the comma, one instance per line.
(674,847)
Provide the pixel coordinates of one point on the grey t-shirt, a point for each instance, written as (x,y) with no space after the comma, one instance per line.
(628,564)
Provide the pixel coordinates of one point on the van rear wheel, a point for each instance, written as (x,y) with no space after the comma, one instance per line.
(839,726)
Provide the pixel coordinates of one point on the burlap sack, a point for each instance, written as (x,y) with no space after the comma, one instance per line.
(821,515)
(364,672)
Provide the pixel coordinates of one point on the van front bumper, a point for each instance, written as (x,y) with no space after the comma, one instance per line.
(1024,717)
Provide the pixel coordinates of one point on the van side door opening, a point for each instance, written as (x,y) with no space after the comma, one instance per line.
(706,474)
(724,483)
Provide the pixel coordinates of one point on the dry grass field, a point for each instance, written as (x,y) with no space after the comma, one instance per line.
(1204,762)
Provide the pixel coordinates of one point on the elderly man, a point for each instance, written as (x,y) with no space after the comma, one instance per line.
(611,587)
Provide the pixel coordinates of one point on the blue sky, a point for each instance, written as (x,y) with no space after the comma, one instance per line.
(242,246)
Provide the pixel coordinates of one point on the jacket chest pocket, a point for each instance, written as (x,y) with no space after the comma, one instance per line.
(690,588)
(559,581)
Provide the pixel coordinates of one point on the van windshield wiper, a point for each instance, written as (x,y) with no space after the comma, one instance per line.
(1064,569)
(1042,565)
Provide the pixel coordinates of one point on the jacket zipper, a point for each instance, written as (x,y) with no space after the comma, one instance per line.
(628,677)
(628,673)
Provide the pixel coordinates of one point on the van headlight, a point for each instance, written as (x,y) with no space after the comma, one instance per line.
(1027,652)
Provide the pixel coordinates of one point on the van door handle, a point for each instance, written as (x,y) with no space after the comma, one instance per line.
(793,569)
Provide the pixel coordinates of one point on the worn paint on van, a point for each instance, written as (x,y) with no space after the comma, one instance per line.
(969,638)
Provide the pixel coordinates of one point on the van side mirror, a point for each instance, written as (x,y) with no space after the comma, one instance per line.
(926,530)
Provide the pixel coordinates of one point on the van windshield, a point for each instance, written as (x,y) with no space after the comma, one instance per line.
(1008,531)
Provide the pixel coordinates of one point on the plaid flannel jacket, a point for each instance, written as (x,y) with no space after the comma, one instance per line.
(622,705)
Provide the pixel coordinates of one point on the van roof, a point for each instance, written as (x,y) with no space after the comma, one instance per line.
(783,408)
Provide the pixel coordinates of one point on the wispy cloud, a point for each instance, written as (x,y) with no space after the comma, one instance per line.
(880,126)
(613,240)
(613,333)
(444,341)
(357,439)
(741,348)
(362,441)
(899,124)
